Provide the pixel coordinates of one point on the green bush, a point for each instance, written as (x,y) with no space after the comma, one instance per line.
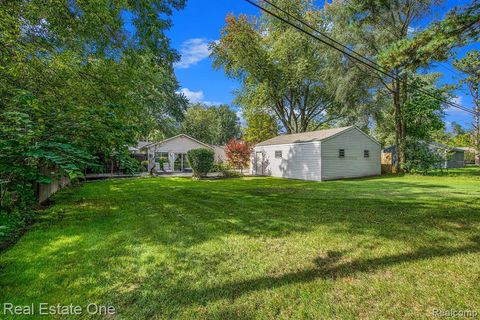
(161,161)
(421,159)
(225,170)
(12,224)
(201,161)
(144,166)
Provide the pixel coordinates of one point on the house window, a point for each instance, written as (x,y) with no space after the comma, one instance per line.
(161,157)
(278,154)
(341,153)
(366,153)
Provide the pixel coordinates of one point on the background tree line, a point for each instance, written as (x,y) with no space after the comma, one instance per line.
(299,83)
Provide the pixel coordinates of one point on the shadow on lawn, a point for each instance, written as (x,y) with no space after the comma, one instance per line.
(102,243)
(188,213)
(328,267)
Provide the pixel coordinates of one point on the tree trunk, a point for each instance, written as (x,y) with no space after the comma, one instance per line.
(399,125)
(476,126)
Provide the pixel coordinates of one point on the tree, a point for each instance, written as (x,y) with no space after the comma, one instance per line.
(436,42)
(201,160)
(83,83)
(260,127)
(201,123)
(238,153)
(211,124)
(470,67)
(457,129)
(371,28)
(228,123)
(280,68)
(423,117)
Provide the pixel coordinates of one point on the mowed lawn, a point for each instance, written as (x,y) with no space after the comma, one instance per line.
(264,248)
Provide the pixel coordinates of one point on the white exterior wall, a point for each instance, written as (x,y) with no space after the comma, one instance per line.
(299,160)
(354,164)
(180,144)
(220,155)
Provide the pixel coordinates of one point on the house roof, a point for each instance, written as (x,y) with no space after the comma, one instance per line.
(444,146)
(140,145)
(467,149)
(304,136)
(174,137)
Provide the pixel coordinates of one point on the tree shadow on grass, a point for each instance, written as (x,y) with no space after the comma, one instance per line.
(101,242)
(327,267)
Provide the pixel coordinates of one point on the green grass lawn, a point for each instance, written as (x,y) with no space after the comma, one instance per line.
(264,248)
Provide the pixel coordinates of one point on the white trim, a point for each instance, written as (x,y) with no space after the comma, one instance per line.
(148,146)
(346,130)
(320,140)
(289,144)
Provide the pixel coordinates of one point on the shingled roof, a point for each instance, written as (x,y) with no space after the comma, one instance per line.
(303,137)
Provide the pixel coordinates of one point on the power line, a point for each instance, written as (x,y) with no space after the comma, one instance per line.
(376,66)
(387,26)
(370,63)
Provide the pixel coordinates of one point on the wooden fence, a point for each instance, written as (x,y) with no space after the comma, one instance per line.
(44,191)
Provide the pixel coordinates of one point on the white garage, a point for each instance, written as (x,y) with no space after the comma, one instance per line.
(338,153)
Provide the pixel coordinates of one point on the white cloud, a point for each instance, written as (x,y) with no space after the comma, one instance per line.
(241,119)
(192,51)
(457,100)
(192,96)
(411,30)
(197,97)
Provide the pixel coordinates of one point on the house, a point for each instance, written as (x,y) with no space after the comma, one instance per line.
(329,154)
(469,154)
(170,155)
(451,157)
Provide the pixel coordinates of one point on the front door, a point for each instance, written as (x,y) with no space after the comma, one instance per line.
(259,163)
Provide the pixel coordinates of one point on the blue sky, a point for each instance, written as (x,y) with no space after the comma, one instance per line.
(201,22)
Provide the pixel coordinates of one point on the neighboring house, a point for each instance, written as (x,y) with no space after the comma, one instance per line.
(452,157)
(138,152)
(171,154)
(329,154)
(469,154)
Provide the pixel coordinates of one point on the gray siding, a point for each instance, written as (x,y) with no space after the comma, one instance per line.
(298,161)
(456,160)
(354,164)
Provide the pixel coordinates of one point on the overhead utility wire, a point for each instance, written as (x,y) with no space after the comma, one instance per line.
(377,66)
(372,64)
(386,25)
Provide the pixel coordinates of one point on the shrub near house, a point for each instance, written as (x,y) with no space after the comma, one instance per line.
(201,161)
(238,153)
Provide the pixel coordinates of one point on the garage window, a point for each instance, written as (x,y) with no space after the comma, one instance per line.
(278,154)
(366,153)
(341,153)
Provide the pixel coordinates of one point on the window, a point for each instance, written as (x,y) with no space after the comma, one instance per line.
(278,154)
(366,153)
(341,153)
(161,157)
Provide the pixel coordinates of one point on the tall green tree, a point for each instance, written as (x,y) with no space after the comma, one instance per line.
(260,126)
(439,39)
(211,124)
(228,125)
(470,67)
(280,68)
(82,81)
(371,28)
